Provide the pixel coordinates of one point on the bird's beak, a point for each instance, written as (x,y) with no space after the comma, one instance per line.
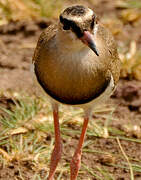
(87,39)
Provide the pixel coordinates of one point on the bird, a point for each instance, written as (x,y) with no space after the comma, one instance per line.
(76,63)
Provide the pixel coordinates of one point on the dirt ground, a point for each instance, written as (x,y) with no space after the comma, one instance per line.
(17,43)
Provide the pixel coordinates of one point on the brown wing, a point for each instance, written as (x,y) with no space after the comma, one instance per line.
(43,39)
(112,47)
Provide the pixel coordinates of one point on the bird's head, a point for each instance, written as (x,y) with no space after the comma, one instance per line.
(79,21)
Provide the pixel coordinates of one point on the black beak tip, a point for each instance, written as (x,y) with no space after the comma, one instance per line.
(96,52)
(93,48)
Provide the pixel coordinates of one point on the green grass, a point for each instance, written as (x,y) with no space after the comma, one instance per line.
(130,4)
(35,116)
(23,110)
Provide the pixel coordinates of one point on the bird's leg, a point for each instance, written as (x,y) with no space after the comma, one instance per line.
(57,151)
(76,160)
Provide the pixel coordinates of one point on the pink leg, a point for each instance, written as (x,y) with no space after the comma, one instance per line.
(76,160)
(57,151)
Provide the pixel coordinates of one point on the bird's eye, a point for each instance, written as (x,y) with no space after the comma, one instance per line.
(65,22)
(65,27)
(93,22)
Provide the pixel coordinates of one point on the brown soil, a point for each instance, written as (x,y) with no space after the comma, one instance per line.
(17,43)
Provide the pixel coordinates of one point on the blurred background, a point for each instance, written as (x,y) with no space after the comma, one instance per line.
(113,144)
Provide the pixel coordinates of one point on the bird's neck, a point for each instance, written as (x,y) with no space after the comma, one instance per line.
(69,42)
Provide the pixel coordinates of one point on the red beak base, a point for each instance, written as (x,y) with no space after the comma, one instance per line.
(87,39)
